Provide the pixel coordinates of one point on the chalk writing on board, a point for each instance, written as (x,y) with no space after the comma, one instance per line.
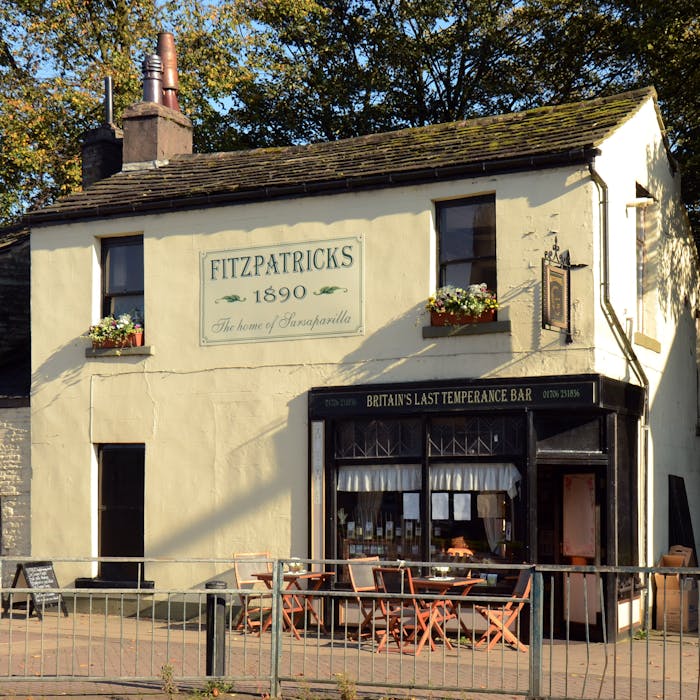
(39,578)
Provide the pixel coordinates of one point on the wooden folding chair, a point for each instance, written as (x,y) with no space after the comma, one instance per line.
(406,618)
(362,581)
(462,556)
(256,604)
(502,618)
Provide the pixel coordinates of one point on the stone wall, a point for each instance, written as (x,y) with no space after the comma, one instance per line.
(15,479)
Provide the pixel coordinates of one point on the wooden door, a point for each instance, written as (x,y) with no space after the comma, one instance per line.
(121,510)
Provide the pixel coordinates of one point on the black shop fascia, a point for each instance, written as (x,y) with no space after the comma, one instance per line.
(408,471)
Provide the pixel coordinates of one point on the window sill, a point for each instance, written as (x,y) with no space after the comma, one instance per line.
(647,342)
(470,329)
(120,352)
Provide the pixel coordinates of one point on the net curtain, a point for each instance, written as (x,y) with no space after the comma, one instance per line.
(443,477)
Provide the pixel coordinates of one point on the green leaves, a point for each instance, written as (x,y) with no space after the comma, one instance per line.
(277,72)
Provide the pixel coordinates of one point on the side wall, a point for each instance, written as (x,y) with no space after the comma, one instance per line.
(667,347)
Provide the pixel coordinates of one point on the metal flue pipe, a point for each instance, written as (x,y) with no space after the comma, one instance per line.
(109,101)
(153,79)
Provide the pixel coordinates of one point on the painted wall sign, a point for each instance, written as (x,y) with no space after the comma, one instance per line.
(506,395)
(284,291)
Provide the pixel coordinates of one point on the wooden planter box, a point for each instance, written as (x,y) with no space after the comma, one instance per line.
(450,319)
(134,340)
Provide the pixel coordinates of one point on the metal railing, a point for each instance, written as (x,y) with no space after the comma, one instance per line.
(587,632)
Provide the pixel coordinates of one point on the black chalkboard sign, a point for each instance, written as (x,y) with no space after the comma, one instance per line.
(37,576)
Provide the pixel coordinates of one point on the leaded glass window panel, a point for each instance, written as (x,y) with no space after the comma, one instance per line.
(378,438)
(475,436)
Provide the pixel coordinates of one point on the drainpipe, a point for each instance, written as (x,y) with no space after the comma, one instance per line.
(622,340)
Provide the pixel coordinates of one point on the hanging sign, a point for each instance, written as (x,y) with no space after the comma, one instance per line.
(556,284)
(555,297)
(282,291)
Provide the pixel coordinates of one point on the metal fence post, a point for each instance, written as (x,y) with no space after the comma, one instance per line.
(536,635)
(216,629)
(276,612)
(276,627)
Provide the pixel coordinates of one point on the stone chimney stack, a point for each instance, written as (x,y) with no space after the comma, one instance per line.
(155,129)
(154,132)
(102,147)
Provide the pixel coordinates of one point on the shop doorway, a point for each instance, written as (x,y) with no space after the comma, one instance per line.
(571,531)
(121,494)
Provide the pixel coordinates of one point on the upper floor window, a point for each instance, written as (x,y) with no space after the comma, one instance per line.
(122,276)
(467,241)
(647,252)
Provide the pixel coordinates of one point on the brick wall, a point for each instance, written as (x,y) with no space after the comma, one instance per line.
(15,480)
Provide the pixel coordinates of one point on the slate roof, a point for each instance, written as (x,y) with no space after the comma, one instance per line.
(14,313)
(536,138)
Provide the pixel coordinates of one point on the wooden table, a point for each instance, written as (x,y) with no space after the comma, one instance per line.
(293,604)
(443,609)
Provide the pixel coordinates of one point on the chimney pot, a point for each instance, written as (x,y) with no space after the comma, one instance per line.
(155,130)
(153,79)
(168,55)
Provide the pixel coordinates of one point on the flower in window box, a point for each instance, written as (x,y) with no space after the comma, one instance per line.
(454,306)
(116,332)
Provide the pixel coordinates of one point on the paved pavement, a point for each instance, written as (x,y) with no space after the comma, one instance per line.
(108,656)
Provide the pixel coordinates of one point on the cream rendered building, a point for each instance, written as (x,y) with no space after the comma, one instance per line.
(291,394)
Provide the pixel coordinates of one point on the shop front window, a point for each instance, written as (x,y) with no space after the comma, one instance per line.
(412,488)
(379,511)
(480,522)
(472,506)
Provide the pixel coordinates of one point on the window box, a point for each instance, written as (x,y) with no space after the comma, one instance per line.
(502,325)
(133,340)
(119,332)
(128,351)
(447,318)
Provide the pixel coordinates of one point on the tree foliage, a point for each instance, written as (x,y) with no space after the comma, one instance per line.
(269,72)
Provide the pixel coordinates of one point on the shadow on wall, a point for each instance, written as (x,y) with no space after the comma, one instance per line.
(397,352)
(673,418)
(675,250)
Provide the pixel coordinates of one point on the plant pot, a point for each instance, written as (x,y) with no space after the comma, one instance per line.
(132,340)
(454,319)
(135,339)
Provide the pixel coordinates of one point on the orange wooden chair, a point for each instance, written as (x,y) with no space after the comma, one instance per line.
(256,599)
(362,581)
(503,618)
(408,620)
